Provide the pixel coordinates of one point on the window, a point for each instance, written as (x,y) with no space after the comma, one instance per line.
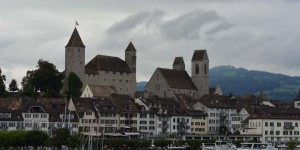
(278,124)
(143,122)
(143,115)
(205,68)
(271,132)
(88,113)
(151,128)
(197,68)
(271,124)
(296,124)
(151,115)
(296,132)
(151,122)
(266,132)
(266,124)
(277,132)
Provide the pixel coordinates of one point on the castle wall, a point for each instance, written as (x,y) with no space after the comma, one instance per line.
(125,83)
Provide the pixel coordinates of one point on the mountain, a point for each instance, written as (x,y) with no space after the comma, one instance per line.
(239,81)
(140,86)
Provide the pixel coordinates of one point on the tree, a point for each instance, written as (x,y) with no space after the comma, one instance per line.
(46,79)
(2,84)
(13,86)
(74,85)
(60,137)
(36,138)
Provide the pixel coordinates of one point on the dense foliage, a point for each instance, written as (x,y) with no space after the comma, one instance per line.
(21,138)
(46,79)
(74,85)
(13,86)
(2,84)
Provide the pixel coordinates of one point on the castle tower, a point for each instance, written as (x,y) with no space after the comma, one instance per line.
(178,64)
(130,57)
(200,71)
(75,56)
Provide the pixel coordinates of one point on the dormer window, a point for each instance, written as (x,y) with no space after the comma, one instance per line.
(127,107)
(88,113)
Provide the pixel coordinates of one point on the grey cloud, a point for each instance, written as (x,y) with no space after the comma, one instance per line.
(222,26)
(185,26)
(132,21)
(188,25)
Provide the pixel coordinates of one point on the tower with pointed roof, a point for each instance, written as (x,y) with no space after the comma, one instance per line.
(178,64)
(130,57)
(75,56)
(199,69)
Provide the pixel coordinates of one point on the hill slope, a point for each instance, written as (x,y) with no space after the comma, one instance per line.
(240,81)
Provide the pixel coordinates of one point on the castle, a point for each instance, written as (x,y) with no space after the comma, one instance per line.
(113,71)
(101,70)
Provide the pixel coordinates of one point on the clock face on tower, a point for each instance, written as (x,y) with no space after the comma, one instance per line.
(157,86)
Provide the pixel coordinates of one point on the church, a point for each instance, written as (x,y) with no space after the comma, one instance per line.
(166,83)
(101,70)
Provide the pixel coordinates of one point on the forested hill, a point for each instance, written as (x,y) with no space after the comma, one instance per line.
(239,81)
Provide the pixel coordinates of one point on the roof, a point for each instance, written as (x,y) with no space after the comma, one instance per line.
(108,63)
(102,90)
(178,61)
(82,105)
(198,55)
(120,101)
(75,40)
(130,47)
(212,90)
(177,78)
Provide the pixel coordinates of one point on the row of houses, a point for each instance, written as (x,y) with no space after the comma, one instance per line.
(119,115)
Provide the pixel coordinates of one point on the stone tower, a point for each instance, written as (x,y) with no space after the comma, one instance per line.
(200,71)
(130,57)
(75,56)
(178,64)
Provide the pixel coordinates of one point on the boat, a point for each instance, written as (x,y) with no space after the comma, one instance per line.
(219,145)
(257,146)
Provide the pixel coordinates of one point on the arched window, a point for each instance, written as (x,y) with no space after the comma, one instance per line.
(197,68)
(205,68)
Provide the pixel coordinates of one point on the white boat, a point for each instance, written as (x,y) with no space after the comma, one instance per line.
(257,146)
(219,145)
(282,146)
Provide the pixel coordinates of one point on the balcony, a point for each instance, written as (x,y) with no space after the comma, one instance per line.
(288,127)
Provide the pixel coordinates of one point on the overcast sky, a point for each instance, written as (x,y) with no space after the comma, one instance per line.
(253,34)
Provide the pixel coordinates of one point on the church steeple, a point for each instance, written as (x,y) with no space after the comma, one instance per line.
(130,47)
(75,40)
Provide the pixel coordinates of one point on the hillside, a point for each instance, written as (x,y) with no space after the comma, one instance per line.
(239,81)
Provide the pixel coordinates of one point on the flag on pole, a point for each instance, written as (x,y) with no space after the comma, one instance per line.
(76,23)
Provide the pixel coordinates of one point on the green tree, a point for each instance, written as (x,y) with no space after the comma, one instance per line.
(60,136)
(74,141)
(2,84)
(46,79)
(13,86)
(36,138)
(74,85)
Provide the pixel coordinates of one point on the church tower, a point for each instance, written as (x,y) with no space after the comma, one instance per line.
(200,71)
(130,57)
(75,56)
(178,64)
